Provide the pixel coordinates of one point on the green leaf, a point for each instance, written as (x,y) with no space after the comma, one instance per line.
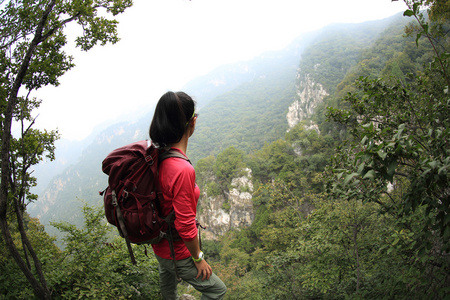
(382,154)
(416,7)
(391,170)
(369,175)
(442,171)
(424,258)
(391,145)
(364,140)
(361,167)
(408,13)
(419,35)
(433,164)
(349,177)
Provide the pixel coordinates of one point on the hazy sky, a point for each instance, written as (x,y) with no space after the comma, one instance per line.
(166,43)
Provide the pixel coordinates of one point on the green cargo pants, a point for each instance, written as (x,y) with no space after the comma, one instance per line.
(213,288)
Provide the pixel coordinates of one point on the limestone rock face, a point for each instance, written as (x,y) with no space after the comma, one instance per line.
(213,216)
(310,94)
(240,199)
(233,210)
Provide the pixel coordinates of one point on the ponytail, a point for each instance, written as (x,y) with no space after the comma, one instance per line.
(172,113)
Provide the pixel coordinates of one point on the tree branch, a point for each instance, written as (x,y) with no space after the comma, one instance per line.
(53,30)
(431,42)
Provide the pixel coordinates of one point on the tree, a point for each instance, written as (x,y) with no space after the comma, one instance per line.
(401,130)
(31,40)
(399,149)
(229,164)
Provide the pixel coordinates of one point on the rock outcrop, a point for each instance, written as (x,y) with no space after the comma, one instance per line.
(232,210)
(310,95)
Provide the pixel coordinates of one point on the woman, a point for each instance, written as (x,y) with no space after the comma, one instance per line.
(172,125)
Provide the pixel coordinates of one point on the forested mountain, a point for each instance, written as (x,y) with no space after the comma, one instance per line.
(323,170)
(242,105)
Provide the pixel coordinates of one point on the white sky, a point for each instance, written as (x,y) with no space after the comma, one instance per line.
(166,43)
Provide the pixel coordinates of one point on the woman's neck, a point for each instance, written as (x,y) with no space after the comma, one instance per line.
(182,144)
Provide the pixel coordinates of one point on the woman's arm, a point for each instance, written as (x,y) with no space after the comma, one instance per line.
(203,267)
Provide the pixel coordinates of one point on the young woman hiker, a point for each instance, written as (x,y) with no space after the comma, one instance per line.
(172,125)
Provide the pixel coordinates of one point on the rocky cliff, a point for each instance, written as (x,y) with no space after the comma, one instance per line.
(309,95)
(231,210)
(234,209)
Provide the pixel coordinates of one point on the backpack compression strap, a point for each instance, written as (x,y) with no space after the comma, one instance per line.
(122,226)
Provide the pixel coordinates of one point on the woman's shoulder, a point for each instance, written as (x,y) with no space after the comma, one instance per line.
(175,170)
(177,162)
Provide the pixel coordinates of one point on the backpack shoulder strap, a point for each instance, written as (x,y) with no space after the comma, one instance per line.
(171,153)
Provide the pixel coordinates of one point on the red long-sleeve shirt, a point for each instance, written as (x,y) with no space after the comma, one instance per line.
(177,182)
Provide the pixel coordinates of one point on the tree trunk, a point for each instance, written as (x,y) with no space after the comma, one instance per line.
(40,288)
(27,246)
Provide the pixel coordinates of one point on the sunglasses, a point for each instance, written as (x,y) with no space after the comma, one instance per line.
(194,115)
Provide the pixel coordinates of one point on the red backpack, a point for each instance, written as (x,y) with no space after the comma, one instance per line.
(132,197)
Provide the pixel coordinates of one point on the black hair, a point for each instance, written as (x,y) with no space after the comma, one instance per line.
(172,114)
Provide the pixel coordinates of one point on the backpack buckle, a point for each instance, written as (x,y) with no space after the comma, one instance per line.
(149,159)
(114,198)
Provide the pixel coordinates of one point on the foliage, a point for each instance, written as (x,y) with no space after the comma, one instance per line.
(380,228)
(94,264)
(229,164)
(95,267)
(282,200)
(31,54)
(215,174)
(399,150)
(340,253)
(14,284)
(401,138)
(28,150)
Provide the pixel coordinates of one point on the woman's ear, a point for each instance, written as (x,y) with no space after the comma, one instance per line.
(192,124)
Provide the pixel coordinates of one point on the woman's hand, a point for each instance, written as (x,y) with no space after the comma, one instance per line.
(204,269)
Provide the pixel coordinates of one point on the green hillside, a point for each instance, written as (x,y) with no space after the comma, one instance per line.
(363,211)
(250,115)
(357,209)
(254,113)
(247,117)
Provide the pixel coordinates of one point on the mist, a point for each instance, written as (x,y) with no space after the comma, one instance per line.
(166,43)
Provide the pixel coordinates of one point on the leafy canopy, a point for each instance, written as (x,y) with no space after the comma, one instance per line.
(32,37)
